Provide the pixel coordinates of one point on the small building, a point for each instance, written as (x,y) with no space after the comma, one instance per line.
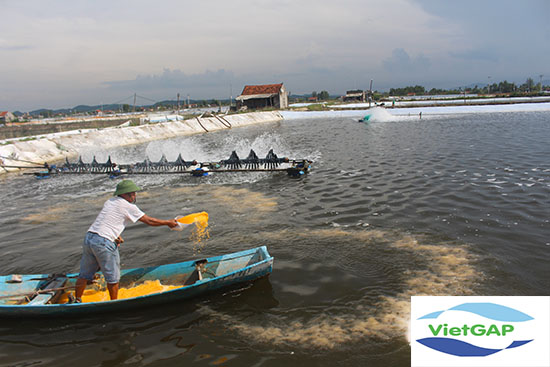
(263,96)
(355,96)
(6,116)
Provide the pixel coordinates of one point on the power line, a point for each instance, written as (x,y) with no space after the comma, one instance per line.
(148,99)
(142,97)
(122,100)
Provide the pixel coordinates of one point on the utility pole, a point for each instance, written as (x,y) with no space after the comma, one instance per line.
(230,96)
(489,85)
(135,96)
(540,78)
(178,103)
(370,92)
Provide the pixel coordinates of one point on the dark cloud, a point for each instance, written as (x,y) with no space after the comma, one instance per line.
(15,48)
(174,79)
(209,84)
(401,62)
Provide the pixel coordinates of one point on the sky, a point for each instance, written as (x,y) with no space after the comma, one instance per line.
(64,53)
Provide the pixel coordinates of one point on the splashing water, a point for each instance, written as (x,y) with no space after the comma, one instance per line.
(379,114)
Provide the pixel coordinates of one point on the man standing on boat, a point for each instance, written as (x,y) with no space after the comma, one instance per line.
(100,248)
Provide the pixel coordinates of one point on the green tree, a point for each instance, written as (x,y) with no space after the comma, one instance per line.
(323,96)
(505,87)
(417,90)
(528,86)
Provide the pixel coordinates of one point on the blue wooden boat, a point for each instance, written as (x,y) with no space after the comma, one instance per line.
(37,294)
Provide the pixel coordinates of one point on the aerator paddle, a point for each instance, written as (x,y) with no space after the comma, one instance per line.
(201,218)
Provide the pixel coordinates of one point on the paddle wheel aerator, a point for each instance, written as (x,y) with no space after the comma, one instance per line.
(252,163)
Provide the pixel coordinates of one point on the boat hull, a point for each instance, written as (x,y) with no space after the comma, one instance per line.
(219,272)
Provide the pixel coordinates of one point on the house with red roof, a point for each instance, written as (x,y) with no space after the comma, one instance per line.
(6,116)
(255,97)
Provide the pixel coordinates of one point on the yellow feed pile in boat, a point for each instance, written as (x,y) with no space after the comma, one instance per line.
(148,287)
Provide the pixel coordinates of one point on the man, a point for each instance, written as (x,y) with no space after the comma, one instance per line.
(100,248)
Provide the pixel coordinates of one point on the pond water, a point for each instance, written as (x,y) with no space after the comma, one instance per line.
(402,206)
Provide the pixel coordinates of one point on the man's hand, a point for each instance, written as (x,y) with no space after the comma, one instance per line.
(119,240)
(151,221)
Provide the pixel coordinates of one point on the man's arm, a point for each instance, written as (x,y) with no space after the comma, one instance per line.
(150,221)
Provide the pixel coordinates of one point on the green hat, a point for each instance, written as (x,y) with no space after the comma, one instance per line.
(126,186)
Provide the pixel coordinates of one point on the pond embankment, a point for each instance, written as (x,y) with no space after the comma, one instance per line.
(33,128)
(56,147)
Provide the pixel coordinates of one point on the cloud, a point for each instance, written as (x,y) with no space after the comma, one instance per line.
(6,45)
(80,53)
(401,62)
(209,84)
(170,79)
(480,54)
(14,47)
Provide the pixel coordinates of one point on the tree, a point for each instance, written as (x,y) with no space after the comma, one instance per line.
(417,90)
(505,87)
(323,96)
(529,85)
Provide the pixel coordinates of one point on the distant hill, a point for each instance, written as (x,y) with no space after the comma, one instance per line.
(118,107)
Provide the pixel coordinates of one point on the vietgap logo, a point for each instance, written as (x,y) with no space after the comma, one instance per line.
(489,331)
(441,332)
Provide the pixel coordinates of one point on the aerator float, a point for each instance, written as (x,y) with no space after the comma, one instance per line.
(271,163)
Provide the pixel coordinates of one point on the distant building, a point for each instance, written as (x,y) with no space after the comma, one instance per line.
(6,116)
(263,96)
(355,96)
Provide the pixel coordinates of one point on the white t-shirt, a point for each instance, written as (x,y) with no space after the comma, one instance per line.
(116,214)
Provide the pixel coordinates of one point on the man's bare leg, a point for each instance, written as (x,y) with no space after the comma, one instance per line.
(113,290)
(80,286)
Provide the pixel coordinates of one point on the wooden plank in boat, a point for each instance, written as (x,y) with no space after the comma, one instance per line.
(43,298)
